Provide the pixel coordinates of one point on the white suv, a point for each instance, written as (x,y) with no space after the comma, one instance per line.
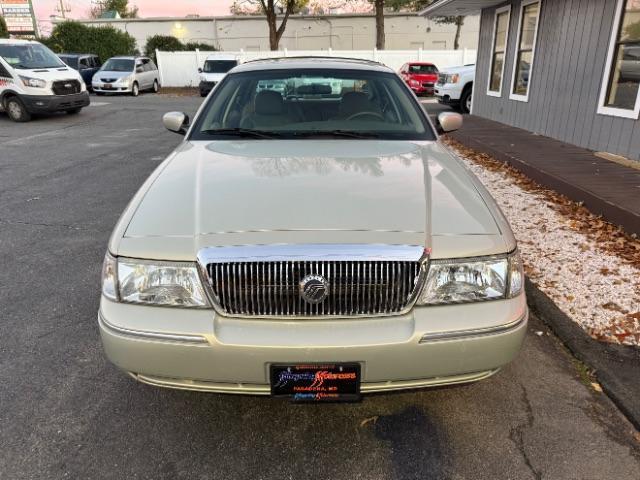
(34,80)
(455,87)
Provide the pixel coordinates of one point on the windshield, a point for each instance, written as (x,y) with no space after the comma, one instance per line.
(118,65)
(321,103)
(422,69)
(29,56)
(71,61)
(219,66)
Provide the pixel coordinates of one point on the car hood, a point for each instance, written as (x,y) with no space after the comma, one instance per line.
(212,77)
(110,74)
(305,191)
(462,69)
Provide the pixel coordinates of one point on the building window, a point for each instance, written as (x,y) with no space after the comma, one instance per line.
(525,50)
(620,93)
(498,50)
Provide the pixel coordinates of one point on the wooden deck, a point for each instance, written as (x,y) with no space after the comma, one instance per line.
(606,188)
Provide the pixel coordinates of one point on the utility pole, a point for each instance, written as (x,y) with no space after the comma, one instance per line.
(62,9)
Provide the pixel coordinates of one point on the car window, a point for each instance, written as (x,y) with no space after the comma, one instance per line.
(96,62)
(29,56)
(322,103)
(118,65)
(152,66)
(70,61)
(422,69)
(3,72)
(219,66)
(145,65)
(84,63)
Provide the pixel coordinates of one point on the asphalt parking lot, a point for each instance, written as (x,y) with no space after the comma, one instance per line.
(67,413)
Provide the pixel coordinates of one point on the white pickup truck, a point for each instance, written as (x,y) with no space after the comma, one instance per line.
(455,87)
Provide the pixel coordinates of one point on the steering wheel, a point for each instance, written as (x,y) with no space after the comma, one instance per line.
(376,115)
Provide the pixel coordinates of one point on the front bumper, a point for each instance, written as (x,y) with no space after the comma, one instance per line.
(201,350)
(206,87)
(447,94)
(55,103)
(115,88)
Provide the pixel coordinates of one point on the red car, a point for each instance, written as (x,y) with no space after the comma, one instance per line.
(420,76)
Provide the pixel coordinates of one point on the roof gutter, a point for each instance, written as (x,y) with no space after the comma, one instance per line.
(431,9)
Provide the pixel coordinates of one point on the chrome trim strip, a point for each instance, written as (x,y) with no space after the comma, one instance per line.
(196,339)
(328,252)
(463,334)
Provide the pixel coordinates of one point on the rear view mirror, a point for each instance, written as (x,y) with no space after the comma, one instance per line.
(177,122)
(450,121)
(199,70)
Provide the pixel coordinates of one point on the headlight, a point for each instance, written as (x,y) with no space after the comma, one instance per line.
(454,78)
(414,83)
(151,282)
(472,280)
(33,82)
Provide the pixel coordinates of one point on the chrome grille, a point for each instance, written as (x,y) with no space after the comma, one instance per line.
(273,288)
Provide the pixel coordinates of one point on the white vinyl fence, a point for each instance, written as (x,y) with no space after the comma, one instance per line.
(180,69)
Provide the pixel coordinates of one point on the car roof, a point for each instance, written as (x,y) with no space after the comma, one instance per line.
(421,63)
(129,57)
(222,57)
(77,54)
(285,63)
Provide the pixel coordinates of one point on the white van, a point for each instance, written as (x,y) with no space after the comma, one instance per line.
(215,68)
(34,80)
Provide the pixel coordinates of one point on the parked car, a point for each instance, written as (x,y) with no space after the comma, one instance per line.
(34,80)
(214,69)
(86,63)
(314,245)
(455,87)
(127,75)
(420,76)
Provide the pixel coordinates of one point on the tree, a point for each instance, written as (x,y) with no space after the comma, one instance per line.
(270,9)
(379,9)
(120,6)
(4,32)
(104,41)
(458,21)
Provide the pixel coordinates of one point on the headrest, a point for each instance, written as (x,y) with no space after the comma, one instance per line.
(269,102)
(355,102)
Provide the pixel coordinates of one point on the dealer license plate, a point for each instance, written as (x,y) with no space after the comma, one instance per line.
(332,382)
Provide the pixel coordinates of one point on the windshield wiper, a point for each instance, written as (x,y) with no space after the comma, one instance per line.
(337,133)
(242,132)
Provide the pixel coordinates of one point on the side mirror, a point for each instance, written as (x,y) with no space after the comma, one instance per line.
(199,70)
(450,121)
(177,122)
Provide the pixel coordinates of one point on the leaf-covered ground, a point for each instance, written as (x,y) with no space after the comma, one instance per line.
(589,267)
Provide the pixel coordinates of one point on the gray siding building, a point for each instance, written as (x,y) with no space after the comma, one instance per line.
(566,69)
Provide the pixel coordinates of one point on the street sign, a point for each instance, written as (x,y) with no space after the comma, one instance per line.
(19,16)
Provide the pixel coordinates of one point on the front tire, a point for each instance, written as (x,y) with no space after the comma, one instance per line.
(156,86)
(16,110)
(465,100)
(135,90)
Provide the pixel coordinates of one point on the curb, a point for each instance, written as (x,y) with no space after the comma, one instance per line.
(617,367)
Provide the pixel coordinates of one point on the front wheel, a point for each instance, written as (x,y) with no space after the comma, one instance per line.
(156,86)
(16,110)
(135,90)
(465,100)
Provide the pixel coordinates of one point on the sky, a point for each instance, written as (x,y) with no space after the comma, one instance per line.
(148,8)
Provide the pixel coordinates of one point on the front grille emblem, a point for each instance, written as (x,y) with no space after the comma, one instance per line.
(314,289)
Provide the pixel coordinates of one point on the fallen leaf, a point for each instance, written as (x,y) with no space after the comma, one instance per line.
(369,420)
(596,387)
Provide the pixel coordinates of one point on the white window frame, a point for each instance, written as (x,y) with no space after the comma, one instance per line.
(615,111)
(493,46)
(517,96)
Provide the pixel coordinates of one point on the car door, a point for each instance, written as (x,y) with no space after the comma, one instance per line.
(85,69)
(155,75)
(139,74)
(148,73)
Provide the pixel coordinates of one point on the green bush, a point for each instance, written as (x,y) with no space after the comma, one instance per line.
(4,33)
(106,42)
(191,46)
(167,43)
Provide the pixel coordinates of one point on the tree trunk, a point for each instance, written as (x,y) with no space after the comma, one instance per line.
(380,24)
(274,41)
(456,40)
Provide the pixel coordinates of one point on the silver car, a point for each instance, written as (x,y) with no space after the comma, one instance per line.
(314,243)
(126,75)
